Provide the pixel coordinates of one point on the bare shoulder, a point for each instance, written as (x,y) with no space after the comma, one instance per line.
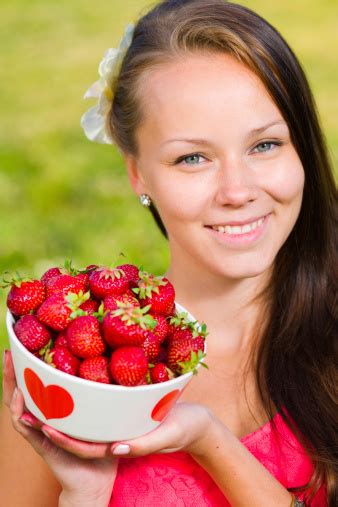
(25,479)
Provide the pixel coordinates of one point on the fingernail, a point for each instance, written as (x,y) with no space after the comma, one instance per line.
(121,449)
(45,433)
(15,394)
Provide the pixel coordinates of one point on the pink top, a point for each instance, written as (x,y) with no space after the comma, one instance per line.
(176,480)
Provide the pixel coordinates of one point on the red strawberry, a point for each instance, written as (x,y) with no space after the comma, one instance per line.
(31,333)
(110,302)
(184,354)
(129,366)
(181,326)
(49,274)
(127,326)
(63,284)
(156,291)
(91,306)
(104,282)
(162,327)
(131,272)
(95,369)
(62,359)
(84,337)
(56,311)
(160,373)
(25,295)
(181,333)
(151,346)
(61,340)
(199,343)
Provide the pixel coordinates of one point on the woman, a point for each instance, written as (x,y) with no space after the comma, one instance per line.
(217,125)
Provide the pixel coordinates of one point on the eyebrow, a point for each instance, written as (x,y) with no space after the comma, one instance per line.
(255,131)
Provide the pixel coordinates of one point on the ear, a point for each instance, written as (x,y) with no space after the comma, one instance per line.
(135,176)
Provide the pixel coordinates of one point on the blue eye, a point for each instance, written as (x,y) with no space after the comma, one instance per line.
(192,159)
(266,146)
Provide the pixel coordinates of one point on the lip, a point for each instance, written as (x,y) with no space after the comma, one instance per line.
(241,240)
(239,222)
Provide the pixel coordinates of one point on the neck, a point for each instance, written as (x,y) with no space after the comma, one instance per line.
(227,306)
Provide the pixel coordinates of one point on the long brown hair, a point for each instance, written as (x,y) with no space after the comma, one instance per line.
(297,355)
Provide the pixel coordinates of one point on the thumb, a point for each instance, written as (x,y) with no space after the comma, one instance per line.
(163,439)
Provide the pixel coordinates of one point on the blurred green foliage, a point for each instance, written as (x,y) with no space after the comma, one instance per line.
(62,196)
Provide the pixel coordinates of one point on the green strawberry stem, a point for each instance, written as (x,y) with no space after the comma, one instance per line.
(148,284)
(191,365)
(101,313)
(181,320)
(75,301)
(131,315)
(14,279)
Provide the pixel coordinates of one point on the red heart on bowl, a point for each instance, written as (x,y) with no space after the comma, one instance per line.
(53,401)
(163,407)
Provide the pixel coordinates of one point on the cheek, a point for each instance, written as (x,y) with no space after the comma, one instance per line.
(285,182)
(180,198)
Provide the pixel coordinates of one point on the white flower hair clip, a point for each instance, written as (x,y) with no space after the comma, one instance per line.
(94,121)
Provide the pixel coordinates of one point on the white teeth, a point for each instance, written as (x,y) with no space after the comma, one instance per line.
(237,229)
(246,228)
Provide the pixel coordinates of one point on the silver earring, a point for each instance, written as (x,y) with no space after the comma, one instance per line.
(145,200)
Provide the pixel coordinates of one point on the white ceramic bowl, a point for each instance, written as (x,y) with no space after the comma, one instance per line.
(88,410)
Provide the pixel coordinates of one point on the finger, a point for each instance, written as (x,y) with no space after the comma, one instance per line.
(9,380)
(82,449)
(161,440)
(30,420)
(38,441)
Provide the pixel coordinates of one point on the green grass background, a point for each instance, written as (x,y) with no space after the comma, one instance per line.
(62,196)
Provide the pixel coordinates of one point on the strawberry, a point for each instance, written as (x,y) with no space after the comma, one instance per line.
(91,306)
(62,359)
(185,354)
(127,325)
(181,333)
(156,291)
(129,366)
(182,327)
(84,337)
(151,346)
(56,311)
(49,274)
(25,295)
(104,282)
(95,369)
(63,284)
(199,343)
(61,340)
(162,327)
(31,333)
(110,302)
(160,373)
(131,272)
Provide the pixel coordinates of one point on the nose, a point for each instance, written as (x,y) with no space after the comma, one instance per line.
(235,184)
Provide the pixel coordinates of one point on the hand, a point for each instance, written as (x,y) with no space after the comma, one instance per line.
(90,478)
(186,428)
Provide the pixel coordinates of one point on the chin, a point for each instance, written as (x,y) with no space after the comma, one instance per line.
(239,268)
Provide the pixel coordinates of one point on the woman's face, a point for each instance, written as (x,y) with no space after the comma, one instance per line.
(216,158)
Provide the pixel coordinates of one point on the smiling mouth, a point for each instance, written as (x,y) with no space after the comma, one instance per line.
(238,229)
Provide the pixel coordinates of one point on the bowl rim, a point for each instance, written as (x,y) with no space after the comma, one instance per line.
(99,385)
